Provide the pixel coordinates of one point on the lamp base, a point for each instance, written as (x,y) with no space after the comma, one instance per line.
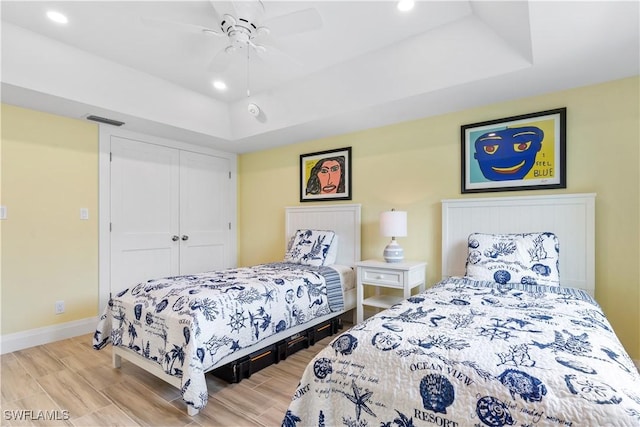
(393,252)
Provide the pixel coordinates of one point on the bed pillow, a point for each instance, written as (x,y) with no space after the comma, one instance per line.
(311,247)
(531,258)
(332,253)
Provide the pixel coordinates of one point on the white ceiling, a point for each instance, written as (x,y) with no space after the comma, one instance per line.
(361,64)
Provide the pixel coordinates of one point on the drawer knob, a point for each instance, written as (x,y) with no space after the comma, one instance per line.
(380,276)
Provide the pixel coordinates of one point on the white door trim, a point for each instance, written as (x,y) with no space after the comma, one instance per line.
(104,203)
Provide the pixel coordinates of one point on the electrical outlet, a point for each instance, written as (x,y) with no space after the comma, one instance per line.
(59,307)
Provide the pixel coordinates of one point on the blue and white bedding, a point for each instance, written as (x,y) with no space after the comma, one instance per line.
(187,324)
(474,353)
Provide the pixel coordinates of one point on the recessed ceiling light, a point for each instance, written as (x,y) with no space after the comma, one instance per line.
(57,17)
(219,84)
(405,5)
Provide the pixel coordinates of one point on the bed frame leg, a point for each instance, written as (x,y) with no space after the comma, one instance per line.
(192,411)
(117,360)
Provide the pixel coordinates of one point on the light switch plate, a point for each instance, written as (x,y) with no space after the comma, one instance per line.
(3,212)
(84,213)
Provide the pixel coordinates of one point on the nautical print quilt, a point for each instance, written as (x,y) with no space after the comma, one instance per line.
(469,353)
(187,324)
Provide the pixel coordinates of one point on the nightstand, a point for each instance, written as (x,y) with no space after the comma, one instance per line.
(399,275)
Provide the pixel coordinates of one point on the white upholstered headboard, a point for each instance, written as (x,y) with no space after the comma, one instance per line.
(570,216)
(344,220)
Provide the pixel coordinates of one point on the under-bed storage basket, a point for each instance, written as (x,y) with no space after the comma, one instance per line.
(243,368)
(307,338)
(323,330)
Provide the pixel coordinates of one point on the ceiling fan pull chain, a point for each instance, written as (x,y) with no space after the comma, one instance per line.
(248,91)
(252,108)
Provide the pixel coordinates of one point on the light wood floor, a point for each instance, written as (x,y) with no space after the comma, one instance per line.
(76,385)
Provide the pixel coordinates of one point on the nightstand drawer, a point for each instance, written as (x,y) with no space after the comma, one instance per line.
(388,278)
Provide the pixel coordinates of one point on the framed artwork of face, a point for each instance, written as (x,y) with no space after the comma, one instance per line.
(325,175)
(526,152)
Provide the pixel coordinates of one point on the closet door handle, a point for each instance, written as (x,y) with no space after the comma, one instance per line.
(175,238)
(185,237)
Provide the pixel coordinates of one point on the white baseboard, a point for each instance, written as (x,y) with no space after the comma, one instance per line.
(47,334)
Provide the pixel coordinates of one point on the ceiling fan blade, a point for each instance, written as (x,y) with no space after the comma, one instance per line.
(224,8)
(218,9)
(275,57)
(180,26)
(251,10)
(297,22)
(220,61)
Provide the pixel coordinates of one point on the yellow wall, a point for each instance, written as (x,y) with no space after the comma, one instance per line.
(413,165)
(49,171)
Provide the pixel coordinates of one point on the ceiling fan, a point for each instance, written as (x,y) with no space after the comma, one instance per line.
(244,25)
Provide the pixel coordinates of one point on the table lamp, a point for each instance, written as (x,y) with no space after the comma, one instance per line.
(393,224)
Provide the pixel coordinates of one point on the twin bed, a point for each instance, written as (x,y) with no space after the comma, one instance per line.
(510,336)
(179,328)
(500,341)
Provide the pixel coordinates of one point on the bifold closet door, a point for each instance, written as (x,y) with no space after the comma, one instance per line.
(145,240)
(169,212)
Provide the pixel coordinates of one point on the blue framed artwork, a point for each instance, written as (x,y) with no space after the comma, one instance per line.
(526,152)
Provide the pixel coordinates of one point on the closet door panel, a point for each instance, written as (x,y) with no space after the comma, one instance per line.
(144,212)
(204,212)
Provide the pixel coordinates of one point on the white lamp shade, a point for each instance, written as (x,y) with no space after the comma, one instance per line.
(393,223)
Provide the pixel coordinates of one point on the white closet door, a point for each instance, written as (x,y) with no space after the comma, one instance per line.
(144,212)
(204,213)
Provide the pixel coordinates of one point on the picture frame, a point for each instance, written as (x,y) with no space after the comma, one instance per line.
(325,175)
(525,152)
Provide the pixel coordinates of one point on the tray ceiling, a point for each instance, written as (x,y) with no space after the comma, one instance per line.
(361,64)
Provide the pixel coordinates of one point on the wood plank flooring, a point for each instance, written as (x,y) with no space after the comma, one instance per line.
(68,383)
